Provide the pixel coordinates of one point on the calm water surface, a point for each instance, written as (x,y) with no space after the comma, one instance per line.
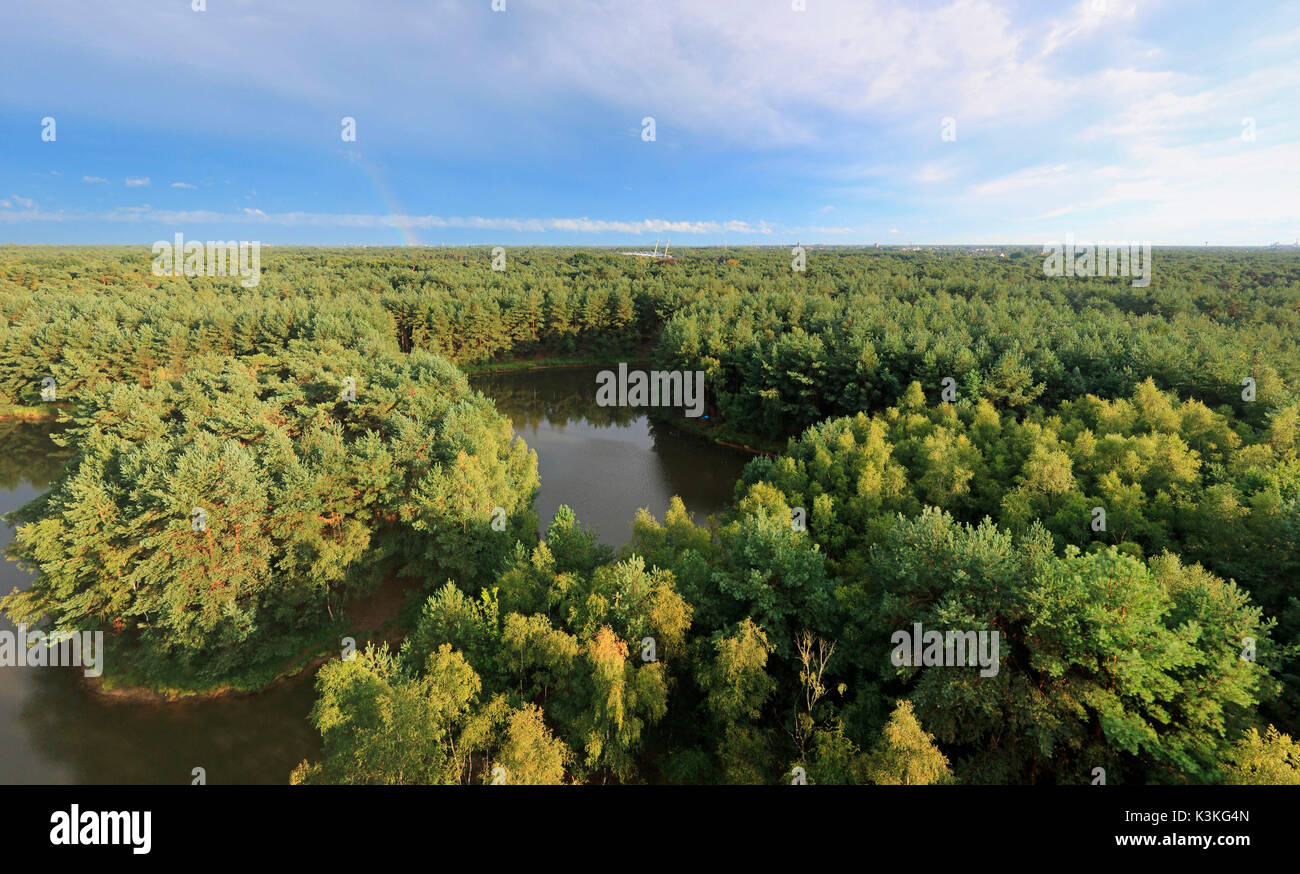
(608,462)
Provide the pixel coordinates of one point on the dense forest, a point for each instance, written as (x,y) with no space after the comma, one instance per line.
(1107,477)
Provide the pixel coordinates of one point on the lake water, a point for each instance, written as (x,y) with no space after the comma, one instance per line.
(603,462)
(608,462)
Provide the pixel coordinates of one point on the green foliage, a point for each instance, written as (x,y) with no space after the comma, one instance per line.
(382,725)
(735,680)
(1104,660)
(906,754)
(530,754)
(1171,476)
(304,500)
(575,661)
(784,350)
(1270,760)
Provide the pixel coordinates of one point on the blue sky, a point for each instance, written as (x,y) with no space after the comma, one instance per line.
(1176,123)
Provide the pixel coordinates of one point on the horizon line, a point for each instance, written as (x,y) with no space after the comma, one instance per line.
(821,245)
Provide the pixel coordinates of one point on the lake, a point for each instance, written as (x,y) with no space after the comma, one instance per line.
(607,462)
(604,462)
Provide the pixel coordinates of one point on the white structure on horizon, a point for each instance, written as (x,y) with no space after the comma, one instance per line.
(656,254)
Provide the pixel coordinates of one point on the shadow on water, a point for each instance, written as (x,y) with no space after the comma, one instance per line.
(28,457)
(250,739)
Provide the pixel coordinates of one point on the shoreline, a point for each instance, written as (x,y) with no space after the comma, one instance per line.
(381,627)
(20,413)
(145,695)
(560,363)
(741,442)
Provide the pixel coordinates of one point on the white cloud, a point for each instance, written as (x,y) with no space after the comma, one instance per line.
(93,179)
(1032,178)
(1166,161)
(183,185)
(767,76)
(136,181)
(138,214)
(1088,17)
(828,230)
(932,173)
(1279,40)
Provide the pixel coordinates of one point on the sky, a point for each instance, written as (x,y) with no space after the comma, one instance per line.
(841,122)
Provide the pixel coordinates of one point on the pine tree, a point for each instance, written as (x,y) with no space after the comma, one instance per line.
(905,754)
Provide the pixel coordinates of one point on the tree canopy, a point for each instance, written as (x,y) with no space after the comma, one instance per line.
(1089,491)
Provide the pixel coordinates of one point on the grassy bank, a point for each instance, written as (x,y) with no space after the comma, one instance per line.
(507,365)
(383,616)
(45,412)
(127,681)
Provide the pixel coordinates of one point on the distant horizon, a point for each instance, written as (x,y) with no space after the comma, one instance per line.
(689,246)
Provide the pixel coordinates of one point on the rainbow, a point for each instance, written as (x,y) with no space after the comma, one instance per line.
(401,224)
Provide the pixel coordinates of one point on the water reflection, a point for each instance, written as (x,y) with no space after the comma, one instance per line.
(79,737)
(606,462)
(28,457)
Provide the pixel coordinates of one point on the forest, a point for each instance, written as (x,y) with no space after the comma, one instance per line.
(1105,476)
